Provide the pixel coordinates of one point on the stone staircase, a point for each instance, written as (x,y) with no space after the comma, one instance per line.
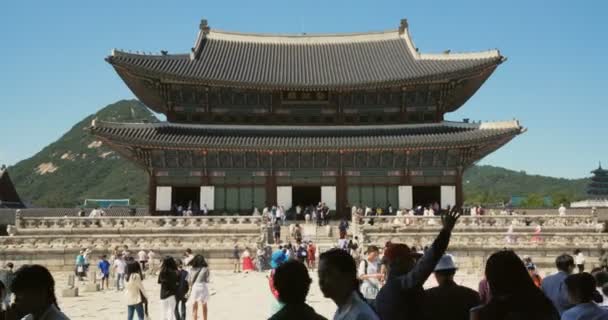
(324,237)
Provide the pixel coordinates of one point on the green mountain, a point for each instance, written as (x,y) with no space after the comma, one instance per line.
(77,167)
(492,185)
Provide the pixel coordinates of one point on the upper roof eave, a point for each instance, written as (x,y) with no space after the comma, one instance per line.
(436,78)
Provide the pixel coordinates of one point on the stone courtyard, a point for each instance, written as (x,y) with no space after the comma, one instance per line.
(233,296)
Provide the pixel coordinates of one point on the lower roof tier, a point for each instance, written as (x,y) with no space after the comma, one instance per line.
(295,138)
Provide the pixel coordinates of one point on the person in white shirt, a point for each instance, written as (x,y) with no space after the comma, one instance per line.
(338,281)
(137,299)
(120,267)
(188,256)
(579,260)
(143,259)
(94,213)
(369,275)
(562,210)
(283,215)
(152,262)
(277,213)
(205,209)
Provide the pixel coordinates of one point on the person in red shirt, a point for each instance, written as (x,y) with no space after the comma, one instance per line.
(311,250)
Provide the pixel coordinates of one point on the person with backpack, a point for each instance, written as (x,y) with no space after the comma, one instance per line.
(137,299)
(343,227)
(199,280)
(301,253)
(167,278)
(369,275)
(182,290)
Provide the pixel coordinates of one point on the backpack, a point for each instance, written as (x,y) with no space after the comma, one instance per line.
(364,271)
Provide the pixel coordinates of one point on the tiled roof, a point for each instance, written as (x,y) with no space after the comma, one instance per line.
(306,61)
(297,137)
(8,195)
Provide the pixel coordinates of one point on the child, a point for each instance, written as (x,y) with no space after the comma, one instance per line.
(104,270)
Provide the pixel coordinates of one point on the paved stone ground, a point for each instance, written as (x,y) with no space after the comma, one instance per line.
(233,296)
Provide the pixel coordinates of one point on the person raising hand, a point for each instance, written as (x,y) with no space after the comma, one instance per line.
(401,297)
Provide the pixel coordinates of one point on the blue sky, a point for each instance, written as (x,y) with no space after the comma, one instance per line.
(52,72)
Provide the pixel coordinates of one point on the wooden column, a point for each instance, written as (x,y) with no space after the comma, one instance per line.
(271,185)
(152,193)
(341,189)
(341,198)
(271,190)
(459,192)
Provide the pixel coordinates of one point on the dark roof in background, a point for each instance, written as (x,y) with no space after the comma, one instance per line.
(8,194)
(298,137)
(306,61)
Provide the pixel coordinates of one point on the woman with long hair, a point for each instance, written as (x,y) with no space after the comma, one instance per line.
(514,295)
(137,300)
(34,290)
(167,278)
(198,280)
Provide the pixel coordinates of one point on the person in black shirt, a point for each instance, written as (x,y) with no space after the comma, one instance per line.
(276,231)
(448,300)
(514,295)
(236,256)
(402,294)
(167,278)
(181,292)
(292,281)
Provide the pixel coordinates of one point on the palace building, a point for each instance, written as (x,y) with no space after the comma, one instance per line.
(255,120)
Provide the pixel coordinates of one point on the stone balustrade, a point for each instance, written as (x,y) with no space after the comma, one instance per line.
(135,241)
(55,241)
(134,225)
(503,221)
(471,241)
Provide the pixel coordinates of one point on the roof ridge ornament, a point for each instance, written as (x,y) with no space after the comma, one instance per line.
(404,25)
(204,26)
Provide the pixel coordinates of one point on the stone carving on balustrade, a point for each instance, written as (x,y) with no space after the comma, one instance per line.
(474,222)
(11,230)
(565,241)
(126,224)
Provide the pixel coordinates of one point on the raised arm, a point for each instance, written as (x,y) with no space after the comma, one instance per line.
(425,266)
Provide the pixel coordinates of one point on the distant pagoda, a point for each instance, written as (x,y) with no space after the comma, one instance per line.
(598,188)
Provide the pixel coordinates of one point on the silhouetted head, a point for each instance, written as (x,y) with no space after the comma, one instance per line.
(292,281)
(581,287)
(565,263)
(507,275)
(337,274)
(168,265)
(601,277)
(2,291)
(133,267)
(34,289)
(399,259)
(198,262)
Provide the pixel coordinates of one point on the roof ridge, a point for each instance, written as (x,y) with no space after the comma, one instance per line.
(303,34)
(482,126)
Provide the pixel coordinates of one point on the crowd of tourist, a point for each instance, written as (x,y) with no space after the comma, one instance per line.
(378,283)
(391,286)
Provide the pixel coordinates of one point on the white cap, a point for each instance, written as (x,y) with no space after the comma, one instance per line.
(446,263)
